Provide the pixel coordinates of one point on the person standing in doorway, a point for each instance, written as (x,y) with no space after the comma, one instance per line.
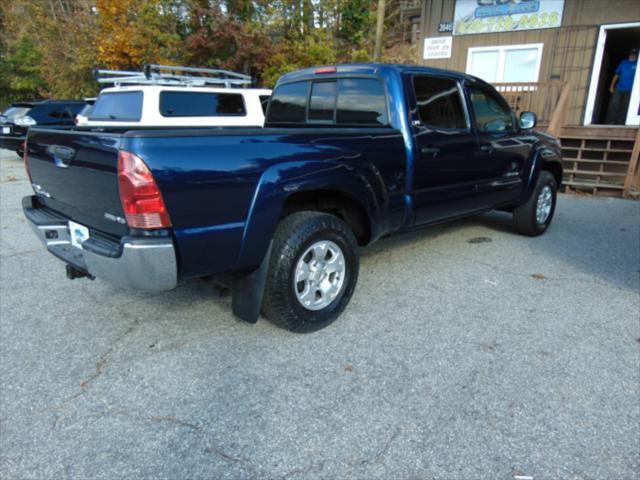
(620,89)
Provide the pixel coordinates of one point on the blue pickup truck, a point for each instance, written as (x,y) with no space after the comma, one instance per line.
(348,154)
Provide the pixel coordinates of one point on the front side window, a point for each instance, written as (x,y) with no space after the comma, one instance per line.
(123,106)
(289,103)
(439,102)
(201,104)
(492,115)
(361,101)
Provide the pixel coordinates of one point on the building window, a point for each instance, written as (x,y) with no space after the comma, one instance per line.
(508,63)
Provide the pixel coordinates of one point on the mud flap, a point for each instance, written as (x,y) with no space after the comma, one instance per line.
(248,291)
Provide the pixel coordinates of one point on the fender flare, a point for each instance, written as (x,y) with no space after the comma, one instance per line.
(281,181)
(542,157)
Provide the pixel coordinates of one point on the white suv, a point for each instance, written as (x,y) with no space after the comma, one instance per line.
(164,106)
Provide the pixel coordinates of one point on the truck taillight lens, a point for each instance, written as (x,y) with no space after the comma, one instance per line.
(140,196)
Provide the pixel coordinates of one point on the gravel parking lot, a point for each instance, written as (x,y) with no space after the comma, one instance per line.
(467,352)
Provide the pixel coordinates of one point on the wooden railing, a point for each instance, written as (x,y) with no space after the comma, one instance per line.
(549,100)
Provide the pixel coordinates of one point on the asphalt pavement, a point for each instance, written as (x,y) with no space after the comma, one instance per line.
(466,352)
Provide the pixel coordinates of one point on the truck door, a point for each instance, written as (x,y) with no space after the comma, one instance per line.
(445,170)
(503,149)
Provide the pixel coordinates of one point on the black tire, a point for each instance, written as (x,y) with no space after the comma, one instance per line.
(525,218)
(294,235)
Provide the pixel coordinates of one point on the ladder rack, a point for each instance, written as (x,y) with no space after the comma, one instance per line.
(173,75)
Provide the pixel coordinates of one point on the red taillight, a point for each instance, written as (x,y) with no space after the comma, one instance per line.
(140,196)
(25,158)
(326,70)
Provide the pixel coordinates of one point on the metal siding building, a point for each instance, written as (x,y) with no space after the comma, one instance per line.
(568,51)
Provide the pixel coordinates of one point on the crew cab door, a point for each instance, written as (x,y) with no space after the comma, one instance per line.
(503,151)
(445,168)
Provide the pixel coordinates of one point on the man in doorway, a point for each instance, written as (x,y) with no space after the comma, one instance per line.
(620,89)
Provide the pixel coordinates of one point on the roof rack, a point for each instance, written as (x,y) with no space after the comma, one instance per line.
(173,75)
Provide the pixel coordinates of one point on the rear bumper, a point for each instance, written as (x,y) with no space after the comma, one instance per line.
(147,264)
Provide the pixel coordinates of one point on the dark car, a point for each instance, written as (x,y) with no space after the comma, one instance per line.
(16,120)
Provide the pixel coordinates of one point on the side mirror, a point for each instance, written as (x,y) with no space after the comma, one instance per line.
(528,120)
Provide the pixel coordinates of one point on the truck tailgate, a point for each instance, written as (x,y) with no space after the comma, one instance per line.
(76,173)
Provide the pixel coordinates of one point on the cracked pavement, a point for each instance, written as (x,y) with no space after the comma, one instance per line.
(467,352)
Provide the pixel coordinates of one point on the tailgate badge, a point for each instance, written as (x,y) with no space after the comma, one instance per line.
(115,218)
(61,155)
(40,191)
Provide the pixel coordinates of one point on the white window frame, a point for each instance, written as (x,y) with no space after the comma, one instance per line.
(632,117)
(502,53)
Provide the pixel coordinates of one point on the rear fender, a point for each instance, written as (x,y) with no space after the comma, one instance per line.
(280,181)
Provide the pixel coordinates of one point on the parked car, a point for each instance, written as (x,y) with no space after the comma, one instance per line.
(349,154)
(16,120)
(82,116)
(167,106)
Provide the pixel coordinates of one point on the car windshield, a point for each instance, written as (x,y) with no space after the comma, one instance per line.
(86,110)
(12,113)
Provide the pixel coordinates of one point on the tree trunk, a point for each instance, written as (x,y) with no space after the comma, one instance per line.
(377,51)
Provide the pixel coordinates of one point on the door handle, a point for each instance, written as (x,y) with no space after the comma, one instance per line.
(430,150)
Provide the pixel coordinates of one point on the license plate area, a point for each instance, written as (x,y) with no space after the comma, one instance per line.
(78,234)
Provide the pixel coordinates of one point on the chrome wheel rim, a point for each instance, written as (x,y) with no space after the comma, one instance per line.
(319,275)
(545,202)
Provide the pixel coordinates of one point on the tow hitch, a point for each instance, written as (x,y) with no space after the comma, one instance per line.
(73,273)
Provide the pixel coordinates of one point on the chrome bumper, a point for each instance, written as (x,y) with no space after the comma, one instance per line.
(139,263)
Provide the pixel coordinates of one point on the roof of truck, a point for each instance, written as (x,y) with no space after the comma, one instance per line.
(182,88)
(367,69)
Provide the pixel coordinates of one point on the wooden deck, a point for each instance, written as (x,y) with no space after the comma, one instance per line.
(601,160)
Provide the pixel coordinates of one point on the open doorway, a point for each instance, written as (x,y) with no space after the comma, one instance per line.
(614,44)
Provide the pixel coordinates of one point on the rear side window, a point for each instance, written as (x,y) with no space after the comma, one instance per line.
(361,101)
(439,102)
(123,106)
(201,104)
(289,103)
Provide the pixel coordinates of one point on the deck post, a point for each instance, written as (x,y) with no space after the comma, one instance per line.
(633,173)
(558,116)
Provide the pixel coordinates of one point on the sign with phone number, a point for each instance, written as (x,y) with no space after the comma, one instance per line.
(487,16)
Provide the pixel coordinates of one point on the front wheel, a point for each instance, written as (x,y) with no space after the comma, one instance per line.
(534,217)
(312,271)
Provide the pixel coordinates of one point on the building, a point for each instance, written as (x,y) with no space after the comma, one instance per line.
(555,57)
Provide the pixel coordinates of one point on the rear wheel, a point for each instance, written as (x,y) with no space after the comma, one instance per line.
(534,217)
(313,271)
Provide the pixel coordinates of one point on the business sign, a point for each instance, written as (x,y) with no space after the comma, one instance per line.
(488,16)
(437,47)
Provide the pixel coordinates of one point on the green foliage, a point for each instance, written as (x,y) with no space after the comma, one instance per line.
(297,54)
(20,72)
(49,48)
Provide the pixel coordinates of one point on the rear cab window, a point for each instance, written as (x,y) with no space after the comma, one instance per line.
(353,102)
(201,104)
(121,106)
